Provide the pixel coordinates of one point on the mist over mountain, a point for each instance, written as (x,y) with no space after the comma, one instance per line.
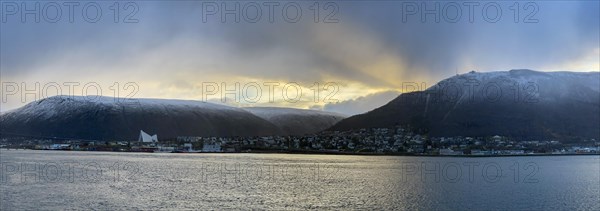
(106,118)
(297,121)
(523,104)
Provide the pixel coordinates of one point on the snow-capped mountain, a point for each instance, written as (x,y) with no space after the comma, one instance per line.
(518,103)
(107,118)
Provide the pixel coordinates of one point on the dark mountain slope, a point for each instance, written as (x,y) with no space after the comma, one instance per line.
(517,103)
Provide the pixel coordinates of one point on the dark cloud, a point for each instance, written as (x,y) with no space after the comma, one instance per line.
(370,45)
(361,104)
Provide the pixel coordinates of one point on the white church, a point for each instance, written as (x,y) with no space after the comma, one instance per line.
(146,138)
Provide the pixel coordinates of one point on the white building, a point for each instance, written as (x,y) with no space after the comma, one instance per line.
(146,138)
(188,147)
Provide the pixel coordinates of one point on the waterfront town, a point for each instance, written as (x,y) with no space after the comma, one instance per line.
(376,141)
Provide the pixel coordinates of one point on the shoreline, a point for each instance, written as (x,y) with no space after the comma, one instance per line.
(330,153)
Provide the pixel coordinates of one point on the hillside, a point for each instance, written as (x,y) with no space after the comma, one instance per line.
(106,118)
(517,103)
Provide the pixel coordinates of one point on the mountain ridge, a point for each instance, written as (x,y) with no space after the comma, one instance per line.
(528,104)
(102,118)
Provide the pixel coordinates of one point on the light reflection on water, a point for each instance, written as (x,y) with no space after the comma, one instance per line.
(104,180)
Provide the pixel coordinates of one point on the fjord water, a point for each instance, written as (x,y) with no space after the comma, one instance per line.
(60,180)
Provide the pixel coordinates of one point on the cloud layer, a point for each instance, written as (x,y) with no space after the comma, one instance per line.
(373,47)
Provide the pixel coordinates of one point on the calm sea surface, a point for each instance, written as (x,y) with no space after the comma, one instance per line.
(58,180)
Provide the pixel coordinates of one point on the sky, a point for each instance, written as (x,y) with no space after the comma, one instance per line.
(341,56)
